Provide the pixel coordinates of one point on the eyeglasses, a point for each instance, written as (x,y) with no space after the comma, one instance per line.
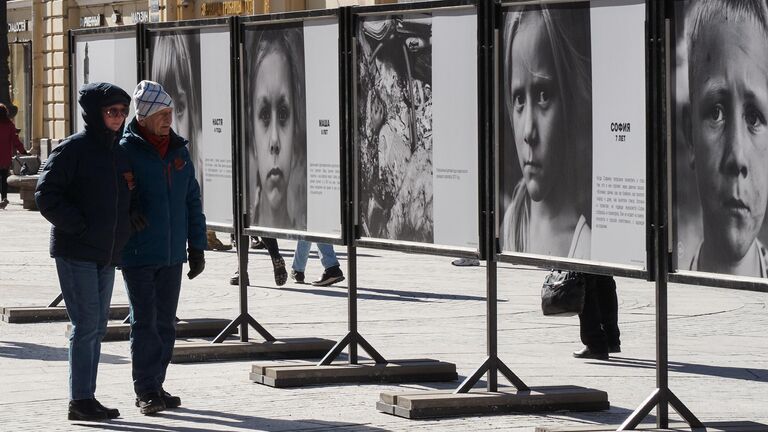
(116,112)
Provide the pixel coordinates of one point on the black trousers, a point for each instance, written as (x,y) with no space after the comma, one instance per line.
(4,182)
(599,321)
(272,248)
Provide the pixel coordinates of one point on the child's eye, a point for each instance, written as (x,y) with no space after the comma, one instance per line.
(543,97)
(754,118)
(265,115)
(283,114)
(717,114)
(518,102)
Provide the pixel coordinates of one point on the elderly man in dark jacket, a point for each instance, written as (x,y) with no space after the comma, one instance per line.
(153,257)
(85,192)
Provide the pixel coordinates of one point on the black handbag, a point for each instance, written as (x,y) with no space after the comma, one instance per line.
(563,293)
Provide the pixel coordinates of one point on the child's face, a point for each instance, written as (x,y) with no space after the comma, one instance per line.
(274,127)
(537,109)
(729,105)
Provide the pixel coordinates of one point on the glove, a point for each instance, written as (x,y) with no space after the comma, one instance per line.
(196,260)
(138,221)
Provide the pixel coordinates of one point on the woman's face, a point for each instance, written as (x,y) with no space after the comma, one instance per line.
(274,127)
(537,108)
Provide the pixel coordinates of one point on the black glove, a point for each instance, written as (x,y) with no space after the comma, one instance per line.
(196,262)
(138,221)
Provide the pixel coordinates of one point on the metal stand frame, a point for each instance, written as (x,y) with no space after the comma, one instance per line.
(56,301)
(493,365)
(349,209)
(244,319)
(659,67)
(353,338)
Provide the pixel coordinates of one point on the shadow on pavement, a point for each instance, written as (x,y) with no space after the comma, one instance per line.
(207,420)
(379,294)
(747,374)
(30,351)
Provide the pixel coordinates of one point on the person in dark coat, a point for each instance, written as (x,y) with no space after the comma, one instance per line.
(9,144)
(85,192)
(599,320)
(175,232)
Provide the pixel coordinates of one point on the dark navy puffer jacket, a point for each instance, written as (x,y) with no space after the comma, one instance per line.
(170,201)
(84,189)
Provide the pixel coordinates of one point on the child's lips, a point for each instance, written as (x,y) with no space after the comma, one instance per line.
(531,166)
(275,175)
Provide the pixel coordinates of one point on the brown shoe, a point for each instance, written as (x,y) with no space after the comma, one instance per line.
(216,244)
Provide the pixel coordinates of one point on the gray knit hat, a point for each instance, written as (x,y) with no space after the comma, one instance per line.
(149,98)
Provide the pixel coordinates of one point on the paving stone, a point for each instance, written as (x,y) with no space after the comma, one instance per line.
(410,306)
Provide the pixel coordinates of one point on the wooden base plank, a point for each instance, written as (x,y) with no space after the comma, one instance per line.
(396,371)
(192,328)
(34,314)
(439,404)
(279,349)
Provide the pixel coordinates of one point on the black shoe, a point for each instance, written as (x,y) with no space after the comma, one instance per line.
(281,276)
(297,276)
(613,349)
(112,413)
(170,400)
(330,276)
(257,244)
(85,410)
(150,403)
(586,353)
(235,279)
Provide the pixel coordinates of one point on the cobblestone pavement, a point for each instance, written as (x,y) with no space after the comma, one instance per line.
(411,306)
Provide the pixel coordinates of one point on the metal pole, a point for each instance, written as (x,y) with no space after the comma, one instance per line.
(242,255)
(492,327)
(352,301)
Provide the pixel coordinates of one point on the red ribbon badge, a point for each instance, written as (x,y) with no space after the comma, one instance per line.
(128,176)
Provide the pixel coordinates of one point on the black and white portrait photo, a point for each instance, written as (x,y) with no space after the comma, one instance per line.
(275,126)
(394,127)
(175,64)
(721,157)
(545,170)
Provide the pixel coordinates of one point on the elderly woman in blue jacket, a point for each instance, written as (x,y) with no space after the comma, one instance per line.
(85,192)
(170,202)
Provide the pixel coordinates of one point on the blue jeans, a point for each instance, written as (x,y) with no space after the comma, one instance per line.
(153,294)
(301,254)
(87,290)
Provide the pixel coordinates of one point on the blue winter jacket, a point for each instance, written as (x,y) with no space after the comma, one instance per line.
(169,198)
(84,188)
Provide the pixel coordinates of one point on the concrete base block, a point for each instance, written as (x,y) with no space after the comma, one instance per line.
(193,328)
(438,404)
(396,371)
(730,426)
(279,349)
(28,314)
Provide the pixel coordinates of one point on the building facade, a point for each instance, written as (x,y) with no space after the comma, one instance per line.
(39,45)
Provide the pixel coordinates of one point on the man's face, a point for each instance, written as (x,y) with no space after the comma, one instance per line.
(729,105)
(159,123)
